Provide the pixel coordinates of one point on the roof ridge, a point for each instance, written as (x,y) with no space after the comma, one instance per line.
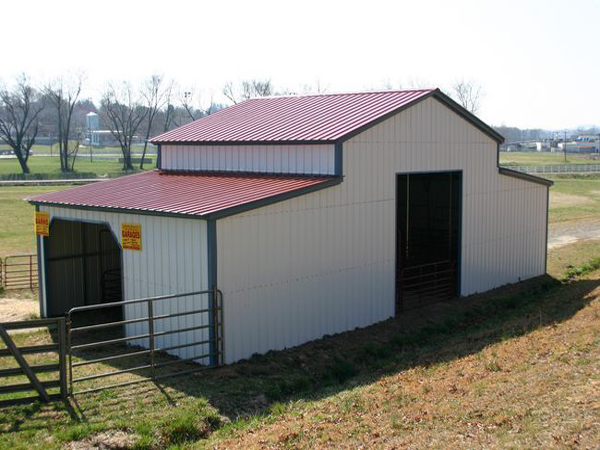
(332,94)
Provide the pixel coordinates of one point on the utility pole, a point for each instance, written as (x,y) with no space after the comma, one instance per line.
(565,145)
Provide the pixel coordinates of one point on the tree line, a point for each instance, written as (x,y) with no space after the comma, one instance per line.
(29,111)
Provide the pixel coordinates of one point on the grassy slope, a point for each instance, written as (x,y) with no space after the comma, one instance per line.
(543,159)
(515,368)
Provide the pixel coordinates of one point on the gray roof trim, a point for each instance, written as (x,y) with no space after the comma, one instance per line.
(524,176)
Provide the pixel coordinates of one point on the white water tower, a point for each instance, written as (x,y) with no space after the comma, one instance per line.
(92,123)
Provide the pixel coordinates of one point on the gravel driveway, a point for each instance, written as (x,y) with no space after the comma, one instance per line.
(564,233)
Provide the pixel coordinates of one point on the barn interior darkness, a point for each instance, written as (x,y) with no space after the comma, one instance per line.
(83,266)
(428,237)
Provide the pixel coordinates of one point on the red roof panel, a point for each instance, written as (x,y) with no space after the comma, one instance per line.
(199,194)
(321,117)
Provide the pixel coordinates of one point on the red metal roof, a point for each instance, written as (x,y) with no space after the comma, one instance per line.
(321,117)
(202,194)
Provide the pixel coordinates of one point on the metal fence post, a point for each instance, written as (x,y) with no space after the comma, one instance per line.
(68,326)
(31,272)
(151,335)
(62,360)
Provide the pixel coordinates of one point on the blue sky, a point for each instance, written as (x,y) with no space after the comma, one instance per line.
(537,61)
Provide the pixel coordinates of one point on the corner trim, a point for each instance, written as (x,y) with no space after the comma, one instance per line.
(211,246)
(39,243)
(338,166)
(158,157)
(547,233)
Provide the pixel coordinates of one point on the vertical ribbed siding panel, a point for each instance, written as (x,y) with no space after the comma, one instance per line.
(173,260)
(295,159)
(325,262)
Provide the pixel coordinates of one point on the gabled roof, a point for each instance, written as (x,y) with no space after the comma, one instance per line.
(319,118)
(205,195)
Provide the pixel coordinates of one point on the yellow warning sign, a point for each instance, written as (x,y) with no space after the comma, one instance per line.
(42,223)
(131,234)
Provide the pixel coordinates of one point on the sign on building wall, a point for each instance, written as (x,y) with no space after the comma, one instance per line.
(42,223)
(131,236)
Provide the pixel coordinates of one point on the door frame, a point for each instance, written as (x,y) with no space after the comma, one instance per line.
(45,245)
(397,175)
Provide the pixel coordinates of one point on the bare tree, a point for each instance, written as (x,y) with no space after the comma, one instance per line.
(314,88)
(192,104)
(156,95)
(122,109)
(63,95)
(468,94)
(247,90)
(20,108)
(169,115)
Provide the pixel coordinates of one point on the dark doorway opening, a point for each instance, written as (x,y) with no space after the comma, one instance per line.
(82,267)
(428,238)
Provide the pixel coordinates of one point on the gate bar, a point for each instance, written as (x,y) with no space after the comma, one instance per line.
(23,364)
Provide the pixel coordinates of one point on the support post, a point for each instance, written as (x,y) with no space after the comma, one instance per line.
(215,312)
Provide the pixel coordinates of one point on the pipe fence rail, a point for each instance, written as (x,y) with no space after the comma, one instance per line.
(146,354)
(149,339)
(563,168)
(19,272)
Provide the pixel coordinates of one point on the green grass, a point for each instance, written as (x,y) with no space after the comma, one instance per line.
(575,198)
(16,225)
(47,150)
(50,167)
(543,159)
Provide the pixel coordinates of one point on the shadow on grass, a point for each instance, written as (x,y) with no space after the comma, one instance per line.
(439,333)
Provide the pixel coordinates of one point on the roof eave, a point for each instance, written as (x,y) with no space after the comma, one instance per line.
(524,176)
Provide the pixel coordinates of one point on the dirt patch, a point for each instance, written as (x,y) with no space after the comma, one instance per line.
(118,440)
(561,200)
(12,309)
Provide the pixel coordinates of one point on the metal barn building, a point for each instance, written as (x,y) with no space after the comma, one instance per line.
(312,214)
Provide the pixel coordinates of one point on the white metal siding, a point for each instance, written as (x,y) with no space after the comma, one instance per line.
(173,260)
(292,159)
(325,262)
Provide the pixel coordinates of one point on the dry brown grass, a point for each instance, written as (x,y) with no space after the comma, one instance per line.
(540,390)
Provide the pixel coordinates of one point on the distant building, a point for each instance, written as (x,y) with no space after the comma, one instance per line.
(542,146)
(578,147)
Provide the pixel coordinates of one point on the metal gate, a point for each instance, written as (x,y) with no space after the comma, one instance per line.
(19,272)
(51,361)
(427,283)
(151,343)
